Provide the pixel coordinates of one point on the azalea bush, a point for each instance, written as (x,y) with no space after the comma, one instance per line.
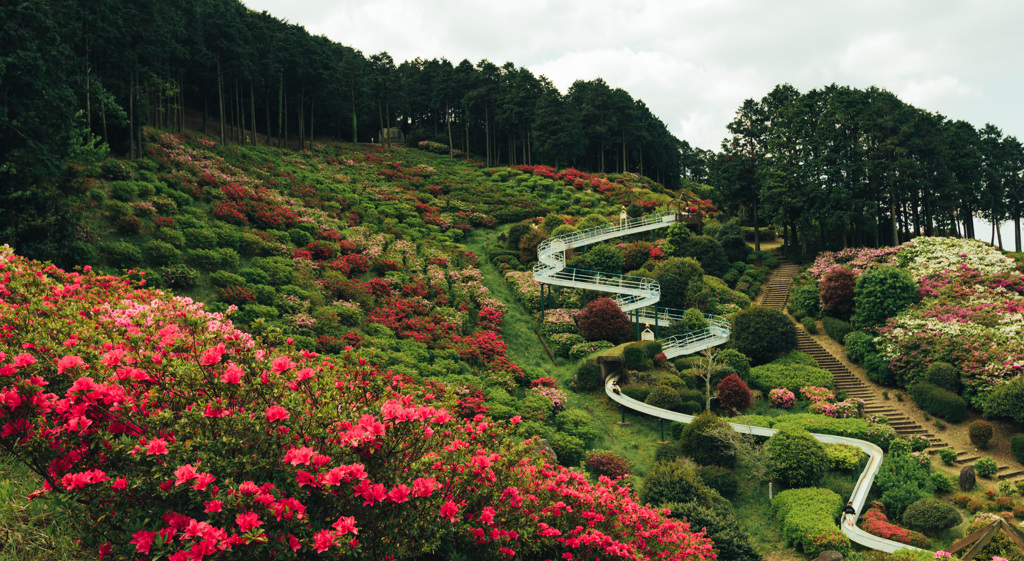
(174,434)
(781,397)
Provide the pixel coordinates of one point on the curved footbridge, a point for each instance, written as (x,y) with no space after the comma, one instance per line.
(637,296)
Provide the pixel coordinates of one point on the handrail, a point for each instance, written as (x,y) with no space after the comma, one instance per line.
(630,292)
(860,490)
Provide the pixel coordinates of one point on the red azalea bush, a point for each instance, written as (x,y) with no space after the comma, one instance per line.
(836,292)
(877,523)
(603,320)
(176,435)
(734,394)
(608,464)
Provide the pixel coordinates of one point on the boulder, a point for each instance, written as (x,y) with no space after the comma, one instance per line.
(541,447)
(967,478)
(830,555)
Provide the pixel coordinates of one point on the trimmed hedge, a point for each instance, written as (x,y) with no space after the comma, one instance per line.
(736,360)
(981,432)
(843,457)
(837,329)
(1017,447)
(944,375)
(938,401)
(1007,400)
(720,479)
(636,357)
(696,444)
(792,377)
(931,516)
(876,433)
(675,481)
(763,333)
(858,345)
(808,520)
(588,377)
(665,398)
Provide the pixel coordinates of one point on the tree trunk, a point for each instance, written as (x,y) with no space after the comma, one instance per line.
(448,122)
(280,111)
(312,113)
(220,99)
(266,106)
(1016,232)
(487,134)
(380,117)
(355,137)
(131,116)
(252,111)
(757,230)
(387,114)
(88,94)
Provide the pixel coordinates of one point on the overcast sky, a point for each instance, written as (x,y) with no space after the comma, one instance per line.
(693,62)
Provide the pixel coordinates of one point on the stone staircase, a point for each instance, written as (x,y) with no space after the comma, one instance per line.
(775,296)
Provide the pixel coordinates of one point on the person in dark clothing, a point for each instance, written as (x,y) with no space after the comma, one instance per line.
(849,514)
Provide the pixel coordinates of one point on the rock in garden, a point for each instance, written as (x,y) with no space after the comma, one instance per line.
(542,447)
(830,555)
(967,478)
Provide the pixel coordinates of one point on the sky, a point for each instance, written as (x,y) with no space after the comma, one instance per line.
(694,62)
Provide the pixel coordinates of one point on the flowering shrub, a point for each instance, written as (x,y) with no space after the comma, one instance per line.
(559,320)
(781,397)
(554,395)
(177,435)
(583,350)
(986,467)
(877,523)
(608,464)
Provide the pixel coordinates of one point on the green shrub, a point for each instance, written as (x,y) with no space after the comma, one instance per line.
(878,369)
(161,253)
(676,481)
(568,448)
(578,423)
(837,329)
(881,293)
(843,457)
(796,357)
(252,312)
(948,456)
(124,190)
(122,254)
(667,452)
(602,257)
(224,279)
(986,467)
(674,382)
(200,238)
(720,479)
(588,377)
(938,401)
(808,520)
(278,269)
(692,320)
(800,459)
(179,276)
(664,397)
(562,343)
(536,408)
(266,295)
(931,516)
(636,357)
(943,483)
(1017,447)
(877,433)
(228,237)
(858,345)
(902,481)
(981,432)
(708,252)
(696,442)
(810,325)
(651,348)
(638,393)
(763,334)
(1007,400)
(299,237)
(792,377)
(944,375)
(737,361)
(254,276)
(804,299)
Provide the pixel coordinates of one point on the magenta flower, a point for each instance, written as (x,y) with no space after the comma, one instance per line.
(276,413)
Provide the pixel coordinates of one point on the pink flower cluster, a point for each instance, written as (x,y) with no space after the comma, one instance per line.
(781,397)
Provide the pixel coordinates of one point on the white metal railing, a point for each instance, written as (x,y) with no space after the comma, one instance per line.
(628,291)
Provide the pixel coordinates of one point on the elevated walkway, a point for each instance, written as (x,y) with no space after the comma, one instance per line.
(635,295)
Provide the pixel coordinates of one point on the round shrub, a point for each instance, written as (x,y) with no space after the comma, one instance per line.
(588,377)
(124,190)
(737,361)
(575,422)
(1017,447)
(676,481)
(679,278)
(881,293)
(1007,400)
(697,443)
(843,457)
(161,253)
(800,460)
(603,257)
(939,401)
(708,252)
(722,527)
(122,254)
(878,370)
(664,397)
(562,230)
(734,394)
(279,270)
(944,375)
(763,334)
(636,357)
(300,238)
(667,452)
(858,344)
(931,516)
(986,467)
(223,279)
(568,448)
(634,255)
(179,276)
(836,291)
(837,329)
(720,479)
(810,324)
(943,483)
(200,238)
(608,464)
(948,456)
(981,432)
(602,320)
(803,299)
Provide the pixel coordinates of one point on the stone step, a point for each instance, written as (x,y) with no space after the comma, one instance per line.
(1010,474)
(966,459)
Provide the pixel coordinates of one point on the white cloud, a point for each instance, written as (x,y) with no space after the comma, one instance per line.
(937,92)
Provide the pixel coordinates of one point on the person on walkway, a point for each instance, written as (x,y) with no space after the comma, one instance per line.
(849,514)
(616,389)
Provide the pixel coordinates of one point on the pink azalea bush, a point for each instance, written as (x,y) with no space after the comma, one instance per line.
(781,397)
(823,401)
(176,435)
